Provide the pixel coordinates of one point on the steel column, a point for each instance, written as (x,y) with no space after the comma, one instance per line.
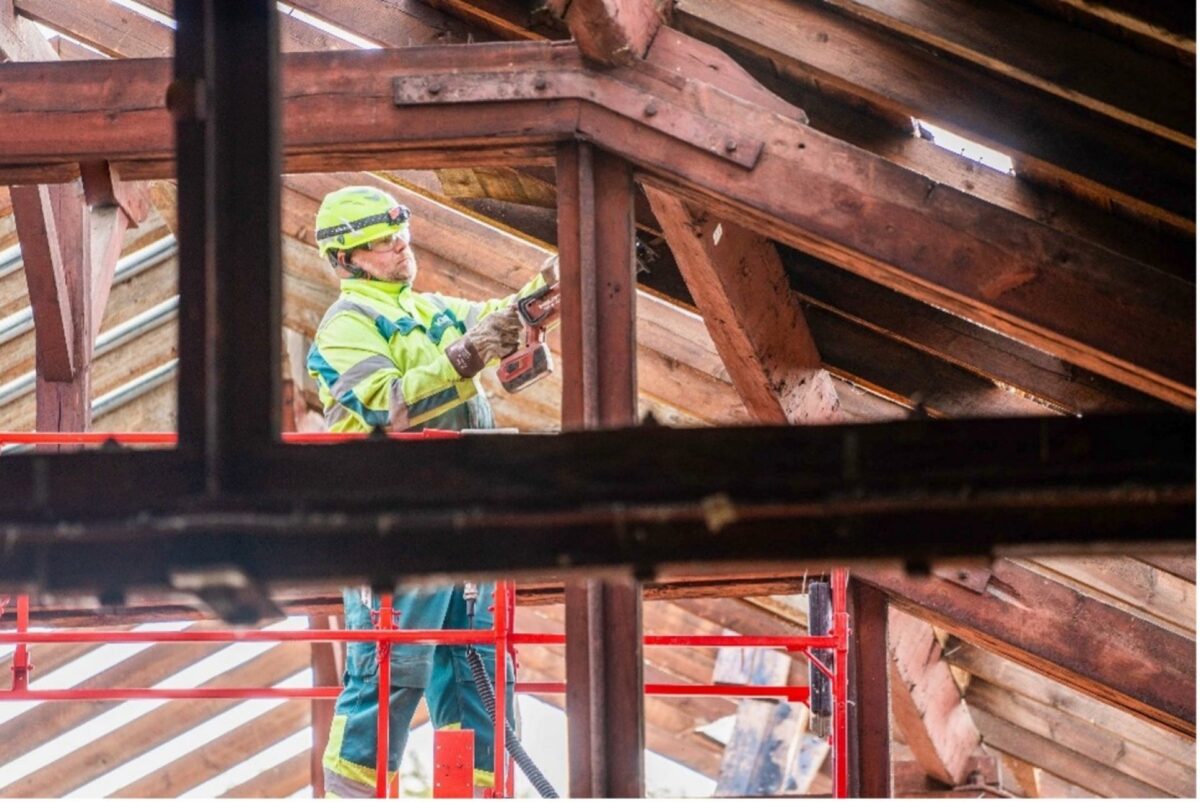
(870,735)
(605,705)
(244,319)
(187,98)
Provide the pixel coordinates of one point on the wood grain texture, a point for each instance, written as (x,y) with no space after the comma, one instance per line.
(1068,636)
(738,282)
(928,706)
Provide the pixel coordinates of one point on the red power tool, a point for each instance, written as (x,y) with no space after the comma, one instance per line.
(532,361)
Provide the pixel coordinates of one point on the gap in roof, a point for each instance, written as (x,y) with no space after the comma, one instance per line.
(329,27)
(51,33)
(974,151)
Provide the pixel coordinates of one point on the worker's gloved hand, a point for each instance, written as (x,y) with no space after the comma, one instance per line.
(549,270)
(494,337)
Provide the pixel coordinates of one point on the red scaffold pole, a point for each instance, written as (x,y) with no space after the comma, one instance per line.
(21,667)
(384,658)
(501,627)
(841,723)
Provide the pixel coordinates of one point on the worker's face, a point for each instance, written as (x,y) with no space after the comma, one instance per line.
(386,260)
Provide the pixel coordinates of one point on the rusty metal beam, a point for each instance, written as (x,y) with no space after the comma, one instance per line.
(605,705)
(870,721)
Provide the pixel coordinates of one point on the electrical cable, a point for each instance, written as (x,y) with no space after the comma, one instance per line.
(487,694)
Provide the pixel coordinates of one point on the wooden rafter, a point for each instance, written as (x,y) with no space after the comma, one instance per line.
(955,253)
(1099,156)
(1062,633)
(738,282)
(926,701)
(616,31)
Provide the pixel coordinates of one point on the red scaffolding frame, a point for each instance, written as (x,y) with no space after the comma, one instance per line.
(386,633)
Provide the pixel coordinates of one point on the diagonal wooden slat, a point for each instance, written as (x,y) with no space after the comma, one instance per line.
(738,282)
(926,702)
(167,721)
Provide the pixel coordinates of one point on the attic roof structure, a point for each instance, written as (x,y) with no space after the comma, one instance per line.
(805,325)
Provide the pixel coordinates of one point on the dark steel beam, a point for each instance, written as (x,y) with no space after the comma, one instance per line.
(245,285)
(605,704)
(187,99)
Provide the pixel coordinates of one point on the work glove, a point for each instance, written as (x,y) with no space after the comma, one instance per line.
(494,337)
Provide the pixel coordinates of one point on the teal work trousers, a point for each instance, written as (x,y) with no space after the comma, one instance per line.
(439,673)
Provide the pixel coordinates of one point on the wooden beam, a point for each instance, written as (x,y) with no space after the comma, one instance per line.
(1057,759)
(616,31)
(770,751)
(1063,634)
(870,758)
(738,282)
(605,700)
(1082,736)
(1061,59)
(55,270)
(1055,383)
(929,242)
(1173,748)
(1128,584)
(928,706)
(1098,156)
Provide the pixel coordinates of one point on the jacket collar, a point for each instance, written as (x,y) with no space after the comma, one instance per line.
(386,291)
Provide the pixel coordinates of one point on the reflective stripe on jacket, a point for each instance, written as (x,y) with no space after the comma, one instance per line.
(379,355)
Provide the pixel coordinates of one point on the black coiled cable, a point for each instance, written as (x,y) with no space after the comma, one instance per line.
(483,685)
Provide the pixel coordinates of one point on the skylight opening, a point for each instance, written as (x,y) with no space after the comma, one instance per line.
(329,28)
(51,33)
(974,151)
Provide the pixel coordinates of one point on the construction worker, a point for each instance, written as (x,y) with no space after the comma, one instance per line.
(388,356)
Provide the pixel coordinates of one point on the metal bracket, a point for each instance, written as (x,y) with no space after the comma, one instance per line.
(606,91)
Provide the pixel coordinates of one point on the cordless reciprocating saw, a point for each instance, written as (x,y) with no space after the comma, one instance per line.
(532,360)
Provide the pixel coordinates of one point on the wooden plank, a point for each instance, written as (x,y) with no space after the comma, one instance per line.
(223,753)
(1084,148)
(1066,763)
(1055,383)
(1063,634)
(176,718)
(928,706)
(48,721)
(1183,567)
(1090,70)
(278,782)
(20,40)
(1002,673)
(393,24)
(1109,749)
(738,282)
(616,31)
(909,376)
(108,27)
(1131,585)
(1164,29)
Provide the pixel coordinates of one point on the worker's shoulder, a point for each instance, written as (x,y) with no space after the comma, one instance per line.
(349,311)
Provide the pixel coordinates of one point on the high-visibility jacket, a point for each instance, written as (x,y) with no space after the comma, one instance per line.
(379,358)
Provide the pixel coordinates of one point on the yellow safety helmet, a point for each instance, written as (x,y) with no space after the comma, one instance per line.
(354,216)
